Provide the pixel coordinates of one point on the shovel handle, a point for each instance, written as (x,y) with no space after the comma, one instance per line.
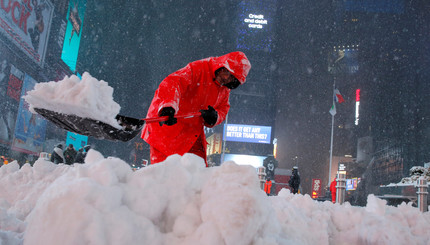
(165,118)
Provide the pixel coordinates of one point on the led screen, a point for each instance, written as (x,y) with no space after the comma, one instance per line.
(255,161)
(247,133)
(72,39)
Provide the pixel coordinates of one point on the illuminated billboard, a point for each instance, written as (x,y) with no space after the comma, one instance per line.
(240,159)
(351,184)
(255,21)
(30,128)
(343,60)
(72,39)
(27,25)
(357,106)
(78,141)
(247,133)
(256,25)
(11,79)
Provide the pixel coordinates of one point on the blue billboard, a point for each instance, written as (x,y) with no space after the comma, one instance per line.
(29,128)
(78,141)
(247,133)
(72,39)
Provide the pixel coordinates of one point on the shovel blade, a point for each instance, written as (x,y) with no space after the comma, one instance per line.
(97,129)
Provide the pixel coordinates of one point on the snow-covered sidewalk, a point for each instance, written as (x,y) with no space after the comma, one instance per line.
(181,202)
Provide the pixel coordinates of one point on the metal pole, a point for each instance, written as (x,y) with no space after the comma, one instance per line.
(331,151)
(331,140)
(262,176)
(340,188)
(224,141)
(422,194)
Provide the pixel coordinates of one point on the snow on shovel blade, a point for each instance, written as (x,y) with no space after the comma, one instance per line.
(97,129)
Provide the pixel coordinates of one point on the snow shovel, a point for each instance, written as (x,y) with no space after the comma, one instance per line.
(100,130)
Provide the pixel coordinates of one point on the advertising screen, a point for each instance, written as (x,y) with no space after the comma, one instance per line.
(72,39)
(344,60)
(351,184)
(255,161)
(255,25)
(78,141)
(247,133)
(316,188)
(11,79)
(30,128)
(27,24)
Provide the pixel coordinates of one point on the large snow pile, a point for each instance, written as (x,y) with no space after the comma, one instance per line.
(87,98)
(180,201)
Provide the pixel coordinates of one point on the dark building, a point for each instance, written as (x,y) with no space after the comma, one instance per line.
(391,81)
(384,46)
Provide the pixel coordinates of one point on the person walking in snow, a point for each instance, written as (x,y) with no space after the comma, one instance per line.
(333,190)
(57,156)
(70,154)
(201,86)
(294,181)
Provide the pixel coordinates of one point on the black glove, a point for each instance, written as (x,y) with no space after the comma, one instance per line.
(168,111)
(210,116)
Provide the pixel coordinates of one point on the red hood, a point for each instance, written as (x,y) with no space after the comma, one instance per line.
(236,62)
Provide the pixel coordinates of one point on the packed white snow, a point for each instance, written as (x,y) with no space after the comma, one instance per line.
(179,201)
(87,98)
(415,173)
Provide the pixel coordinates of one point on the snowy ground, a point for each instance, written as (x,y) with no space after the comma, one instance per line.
(181,202)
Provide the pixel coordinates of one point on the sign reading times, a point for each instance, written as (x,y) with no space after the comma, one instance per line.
(247,133)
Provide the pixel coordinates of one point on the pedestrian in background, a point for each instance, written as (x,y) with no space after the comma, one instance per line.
(82,153)
(57,156)
(70,154)
(333,190)
(294,181)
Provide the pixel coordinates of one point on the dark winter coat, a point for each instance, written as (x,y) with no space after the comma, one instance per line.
(70,155)
(57,156)
(270,163)
(294,182)
(189,90)
(80,156)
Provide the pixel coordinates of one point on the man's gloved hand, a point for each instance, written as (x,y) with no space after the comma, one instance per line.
(168,111)
(210,116)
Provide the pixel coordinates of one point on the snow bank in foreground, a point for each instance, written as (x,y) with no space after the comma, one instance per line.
(88,98)
(181,202)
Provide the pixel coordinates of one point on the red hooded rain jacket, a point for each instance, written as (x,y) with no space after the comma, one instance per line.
(190,90)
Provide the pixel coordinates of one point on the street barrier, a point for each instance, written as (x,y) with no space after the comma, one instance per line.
(262,176)
(340,188)
(422,194)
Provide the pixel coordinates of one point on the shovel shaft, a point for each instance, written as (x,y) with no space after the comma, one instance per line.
(165,118)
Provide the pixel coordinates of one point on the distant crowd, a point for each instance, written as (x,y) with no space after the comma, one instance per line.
(69,156)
